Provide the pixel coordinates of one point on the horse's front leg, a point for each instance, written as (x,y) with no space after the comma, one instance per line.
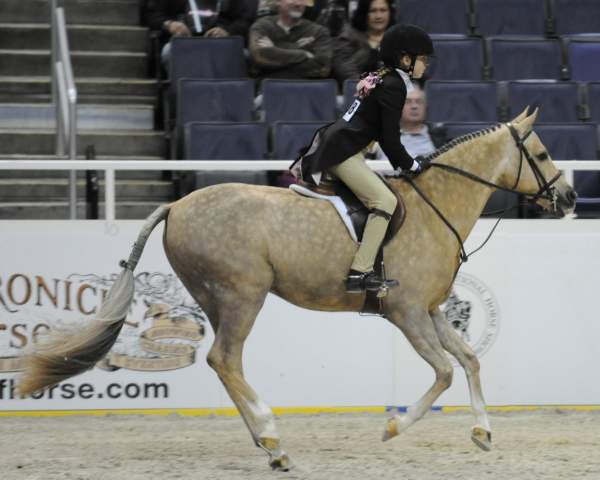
(454,344)
(417,326)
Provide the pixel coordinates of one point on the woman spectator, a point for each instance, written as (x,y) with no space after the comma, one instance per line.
(355,50)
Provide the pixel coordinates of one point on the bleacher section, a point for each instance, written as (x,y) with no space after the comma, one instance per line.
(493,57)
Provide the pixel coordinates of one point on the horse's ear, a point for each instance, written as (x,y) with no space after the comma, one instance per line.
(521,115)
(526,124)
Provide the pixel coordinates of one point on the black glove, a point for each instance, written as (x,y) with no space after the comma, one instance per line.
(421,164)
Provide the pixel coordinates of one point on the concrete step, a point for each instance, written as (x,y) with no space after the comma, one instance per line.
(122,143)
(21,36)
(60,210)
(104,12)
(14,89)
(31,190)
(85,64)
(89,117)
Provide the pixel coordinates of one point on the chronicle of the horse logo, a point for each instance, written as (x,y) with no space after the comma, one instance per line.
(162,331)
(473,312)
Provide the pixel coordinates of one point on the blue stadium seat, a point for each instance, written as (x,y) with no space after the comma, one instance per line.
(576,142)
(299,100)
(458,129)
(221,100)
(349,90)
(193,57)
(584,55)
(593,100)
(290,137)
(520,58)
(461,101)
(226,141)
(558,101)
(511,17)
(457,57)
(576,16)
(452,17)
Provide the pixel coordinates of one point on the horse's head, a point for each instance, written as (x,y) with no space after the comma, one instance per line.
(532,170)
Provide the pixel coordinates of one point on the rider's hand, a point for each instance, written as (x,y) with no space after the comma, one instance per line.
(419,164)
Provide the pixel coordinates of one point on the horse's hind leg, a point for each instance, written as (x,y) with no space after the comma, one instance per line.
(451,341)
(236,316)
(417,326)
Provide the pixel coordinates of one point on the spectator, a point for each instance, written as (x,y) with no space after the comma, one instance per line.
(418,137)
(209,18)
(287,46)
(356,49)
(266,7)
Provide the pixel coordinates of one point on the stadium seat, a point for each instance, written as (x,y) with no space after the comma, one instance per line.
(576,16)
(593,100)
(457,57)
(584,55)
(520,58)
(576,142)
(461,101)
(193,57)
(290,137)
(226,141)
(453,17)
(214,100)
(299,100)
(511,17)
(458,129)
(558,101)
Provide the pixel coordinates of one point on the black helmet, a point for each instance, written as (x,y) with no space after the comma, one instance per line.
(404,40)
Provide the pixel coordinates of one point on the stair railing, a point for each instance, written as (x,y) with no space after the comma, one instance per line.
(64,98)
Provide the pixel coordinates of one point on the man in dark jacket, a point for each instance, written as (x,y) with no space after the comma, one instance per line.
(209,18)
(288,46)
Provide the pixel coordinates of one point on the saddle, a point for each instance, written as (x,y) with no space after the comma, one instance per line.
(358,213)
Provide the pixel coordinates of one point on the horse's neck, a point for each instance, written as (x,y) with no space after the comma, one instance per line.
(460,199)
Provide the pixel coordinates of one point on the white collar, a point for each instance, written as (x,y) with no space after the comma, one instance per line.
(407,80)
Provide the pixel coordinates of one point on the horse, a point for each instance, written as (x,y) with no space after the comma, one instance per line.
(232,244)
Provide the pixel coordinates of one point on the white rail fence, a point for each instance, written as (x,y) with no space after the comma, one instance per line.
(111,166)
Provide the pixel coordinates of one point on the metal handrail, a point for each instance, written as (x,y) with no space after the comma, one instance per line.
(110,166)
(64,98)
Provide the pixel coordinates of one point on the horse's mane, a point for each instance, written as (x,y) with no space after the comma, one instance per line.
(460,140)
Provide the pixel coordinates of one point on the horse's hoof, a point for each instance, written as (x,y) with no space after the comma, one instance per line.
(482,438)
(391,430)
(281,463)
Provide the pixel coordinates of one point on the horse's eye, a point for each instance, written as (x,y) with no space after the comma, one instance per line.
(543,156)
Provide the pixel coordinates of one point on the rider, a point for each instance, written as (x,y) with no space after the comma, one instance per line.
(374,116)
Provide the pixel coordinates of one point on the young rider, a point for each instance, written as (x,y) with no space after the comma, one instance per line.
(374,116)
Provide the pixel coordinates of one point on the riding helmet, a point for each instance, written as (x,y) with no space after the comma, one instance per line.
(401,40)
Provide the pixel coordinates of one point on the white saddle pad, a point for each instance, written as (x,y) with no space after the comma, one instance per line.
(336,201)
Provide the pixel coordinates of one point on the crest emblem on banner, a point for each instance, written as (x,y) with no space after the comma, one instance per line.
(162,331)
(473,312)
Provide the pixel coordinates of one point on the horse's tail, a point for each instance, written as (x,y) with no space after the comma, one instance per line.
(61,357)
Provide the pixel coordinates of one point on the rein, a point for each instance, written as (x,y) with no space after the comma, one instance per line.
(546,190)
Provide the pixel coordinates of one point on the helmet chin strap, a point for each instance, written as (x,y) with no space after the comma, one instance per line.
(413,61)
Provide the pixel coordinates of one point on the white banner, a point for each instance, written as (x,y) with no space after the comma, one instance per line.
(526,303)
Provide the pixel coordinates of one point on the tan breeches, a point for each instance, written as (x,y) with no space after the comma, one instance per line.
(375,195)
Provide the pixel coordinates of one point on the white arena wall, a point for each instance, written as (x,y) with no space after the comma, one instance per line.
(530,297)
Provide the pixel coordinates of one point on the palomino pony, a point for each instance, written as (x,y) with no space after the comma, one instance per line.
(233,244)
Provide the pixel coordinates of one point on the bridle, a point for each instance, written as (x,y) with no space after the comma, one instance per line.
(546,190)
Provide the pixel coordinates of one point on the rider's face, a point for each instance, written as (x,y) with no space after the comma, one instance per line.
(420,64)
